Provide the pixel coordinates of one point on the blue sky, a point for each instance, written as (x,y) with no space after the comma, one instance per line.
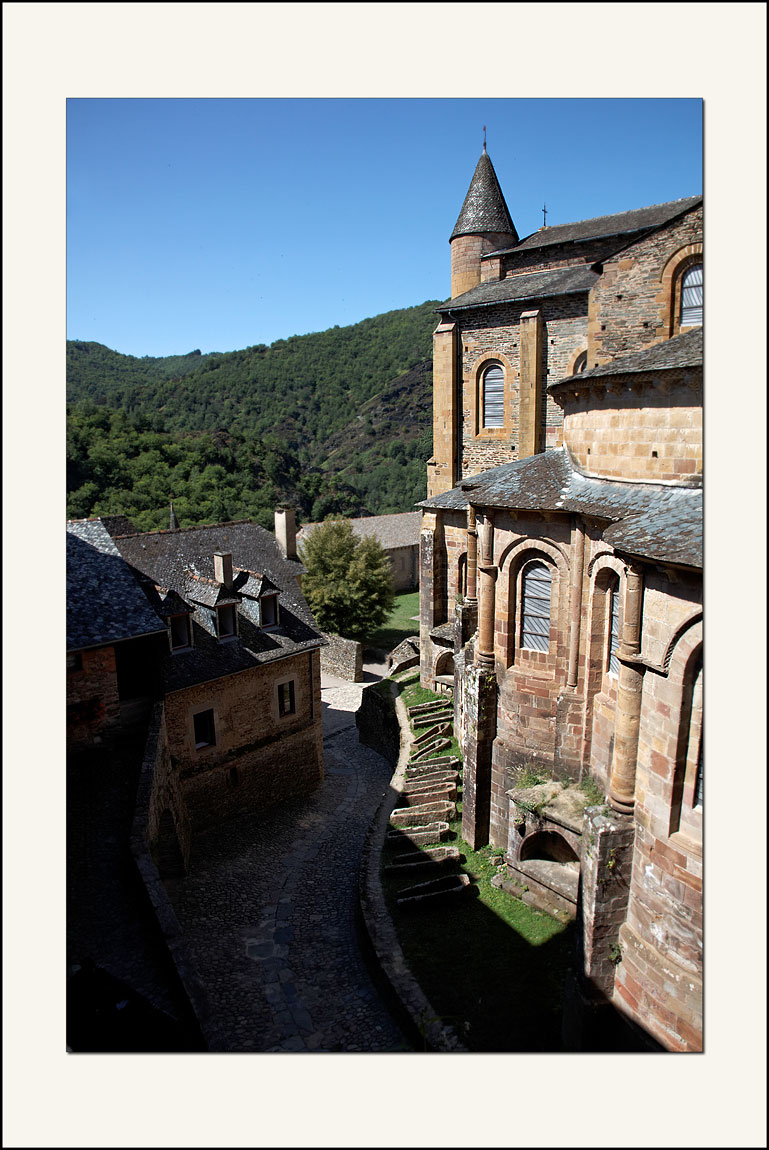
(221,223)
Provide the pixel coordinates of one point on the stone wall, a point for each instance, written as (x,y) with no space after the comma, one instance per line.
(93,705)
(405,567)
(377,721)
(630,303)
(603,433)
(258,756)
(495,334)
(343,658)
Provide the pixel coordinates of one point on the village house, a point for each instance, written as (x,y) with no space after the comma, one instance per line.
(399,537)
(210,622)
(561,581)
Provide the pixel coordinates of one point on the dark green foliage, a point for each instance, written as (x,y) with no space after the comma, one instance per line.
(348,584)
(335,423)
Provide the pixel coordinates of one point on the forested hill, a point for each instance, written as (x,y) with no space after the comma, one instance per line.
(334,422)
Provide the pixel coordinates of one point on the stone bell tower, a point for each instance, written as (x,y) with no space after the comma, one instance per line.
(484,225)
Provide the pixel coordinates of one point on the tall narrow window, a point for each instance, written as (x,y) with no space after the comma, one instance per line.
(286,704)
(692,289)
(613,629)
(493,396)
(225,622)
(269,608)
(698,777)
(535,607)
(205,732)
(180,632)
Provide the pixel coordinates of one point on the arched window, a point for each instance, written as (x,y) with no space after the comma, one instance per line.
(535,607)
(493,396)
(580,363)
(613,661)
(692,289)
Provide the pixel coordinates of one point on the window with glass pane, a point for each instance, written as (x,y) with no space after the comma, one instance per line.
(535,607)
(614,630)
(692,289)
(493,396)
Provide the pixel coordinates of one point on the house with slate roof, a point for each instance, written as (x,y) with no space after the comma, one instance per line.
(399,536)
(214,627)
(561,585)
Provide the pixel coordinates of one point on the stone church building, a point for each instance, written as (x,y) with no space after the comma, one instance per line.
(561,581)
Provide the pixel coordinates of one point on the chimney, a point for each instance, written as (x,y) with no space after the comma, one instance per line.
(223,568)
(285,531)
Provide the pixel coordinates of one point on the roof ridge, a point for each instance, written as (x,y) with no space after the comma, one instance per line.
(611,215)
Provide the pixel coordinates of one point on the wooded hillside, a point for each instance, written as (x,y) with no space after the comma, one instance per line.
(337,422)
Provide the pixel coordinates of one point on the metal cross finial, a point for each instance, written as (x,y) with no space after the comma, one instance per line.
(544,215)
(484,137)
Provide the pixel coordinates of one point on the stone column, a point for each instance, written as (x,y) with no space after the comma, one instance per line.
(442,468)
(486,598)
(472,556)
(575,606)
(530,384)
(629,691)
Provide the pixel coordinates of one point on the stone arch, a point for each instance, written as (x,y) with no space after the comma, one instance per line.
(575,357)
(669,296)
(685,678)
(476,395)
(511,564)
(444,664)
(678,634)
(604,571)
(547,845)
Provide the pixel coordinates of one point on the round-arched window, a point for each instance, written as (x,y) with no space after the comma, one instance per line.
(493,396)
(692,295)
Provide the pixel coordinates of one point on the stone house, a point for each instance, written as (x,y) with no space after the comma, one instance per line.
(561,581)
(234,659)
(398,535)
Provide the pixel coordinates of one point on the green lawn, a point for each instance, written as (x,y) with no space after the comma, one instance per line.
(490,965)
(399,624)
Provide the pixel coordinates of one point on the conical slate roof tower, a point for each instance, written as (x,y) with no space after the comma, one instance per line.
(484,224)
(484,209)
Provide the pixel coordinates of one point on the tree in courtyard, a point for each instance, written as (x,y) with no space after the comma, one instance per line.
(348,584)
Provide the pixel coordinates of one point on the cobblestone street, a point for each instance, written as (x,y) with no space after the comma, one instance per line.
(268,910)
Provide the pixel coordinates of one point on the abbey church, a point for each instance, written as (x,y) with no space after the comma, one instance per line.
(561,581)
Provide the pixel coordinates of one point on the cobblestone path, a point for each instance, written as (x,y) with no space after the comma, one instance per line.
(268,910)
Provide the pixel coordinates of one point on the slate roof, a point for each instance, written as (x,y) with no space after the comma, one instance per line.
(651,520)
(525,285)
(680,351)
(484,208)
(104,602)
(621,223)
(182,561)
(399,530)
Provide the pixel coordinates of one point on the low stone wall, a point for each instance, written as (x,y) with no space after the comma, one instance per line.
(343,658)
(377,721)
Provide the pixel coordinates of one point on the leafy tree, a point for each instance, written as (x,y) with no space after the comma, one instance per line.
(348,584)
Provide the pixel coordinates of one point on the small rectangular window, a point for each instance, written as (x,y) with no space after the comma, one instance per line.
(180,632)
(286,704)
(269,606)
(225,622)
(205,732)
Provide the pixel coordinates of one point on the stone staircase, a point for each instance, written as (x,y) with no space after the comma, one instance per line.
(429,800)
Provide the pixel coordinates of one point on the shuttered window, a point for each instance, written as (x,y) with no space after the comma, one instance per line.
(493,396)
(614,630)
(535,607)
(691,297)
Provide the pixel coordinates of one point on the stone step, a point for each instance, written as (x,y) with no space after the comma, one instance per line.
(425,754)
(431,793)
(414,815)
(425,708)
(438,888)
(434,832)
(431,854)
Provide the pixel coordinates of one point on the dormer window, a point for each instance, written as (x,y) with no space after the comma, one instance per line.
(180,632)
(226,624)
(269,608)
